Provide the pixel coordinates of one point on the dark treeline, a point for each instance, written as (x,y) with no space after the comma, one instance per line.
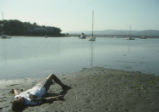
(16,27)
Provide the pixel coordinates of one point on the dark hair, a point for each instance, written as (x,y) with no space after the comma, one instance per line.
(18,105)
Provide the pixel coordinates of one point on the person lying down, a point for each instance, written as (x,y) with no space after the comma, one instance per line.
(36,95)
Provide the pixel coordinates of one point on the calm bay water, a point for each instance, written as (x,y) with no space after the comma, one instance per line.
(31,57)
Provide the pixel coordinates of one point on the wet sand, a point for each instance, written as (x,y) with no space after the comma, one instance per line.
(93,90)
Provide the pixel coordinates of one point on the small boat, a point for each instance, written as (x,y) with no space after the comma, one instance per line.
(143,37)
(92,38)
(130,38)
(82,36)
(46,36)
(3,36)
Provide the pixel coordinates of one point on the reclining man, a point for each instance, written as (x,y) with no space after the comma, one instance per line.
(36,95)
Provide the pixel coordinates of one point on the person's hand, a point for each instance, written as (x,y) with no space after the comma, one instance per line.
(61,97)
(21,90)
(12,91)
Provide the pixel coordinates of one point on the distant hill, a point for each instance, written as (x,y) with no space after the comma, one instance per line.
(123,32)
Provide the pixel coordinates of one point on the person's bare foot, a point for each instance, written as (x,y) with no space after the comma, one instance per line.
(61,97)
(65,87)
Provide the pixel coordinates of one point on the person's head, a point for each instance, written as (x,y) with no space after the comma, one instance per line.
(18,104)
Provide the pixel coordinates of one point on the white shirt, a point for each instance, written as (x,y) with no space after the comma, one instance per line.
(38,90)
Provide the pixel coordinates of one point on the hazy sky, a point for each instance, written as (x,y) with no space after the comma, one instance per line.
(75,15)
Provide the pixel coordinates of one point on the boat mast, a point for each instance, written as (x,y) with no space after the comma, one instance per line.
(92,22)
(2,24)
(130,30)
(2,15)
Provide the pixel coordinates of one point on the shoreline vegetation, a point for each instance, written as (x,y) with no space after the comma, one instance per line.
(94,90)
(19,28)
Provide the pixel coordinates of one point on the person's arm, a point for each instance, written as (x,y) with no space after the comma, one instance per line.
(33,97)
(14,91)
(53,98)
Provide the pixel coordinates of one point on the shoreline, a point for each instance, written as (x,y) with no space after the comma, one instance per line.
(94,89)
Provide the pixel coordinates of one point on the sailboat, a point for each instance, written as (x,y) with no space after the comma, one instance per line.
(92,37)
(3,35)
(130,36)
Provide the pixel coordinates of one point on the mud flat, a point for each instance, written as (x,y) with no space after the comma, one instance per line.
(94,90)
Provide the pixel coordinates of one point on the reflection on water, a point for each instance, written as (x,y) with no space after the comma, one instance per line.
(92,52)
(26,57)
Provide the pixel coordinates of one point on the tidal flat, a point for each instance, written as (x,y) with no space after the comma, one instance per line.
(94,89)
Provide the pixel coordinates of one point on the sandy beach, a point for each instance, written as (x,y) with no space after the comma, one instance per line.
(93,90)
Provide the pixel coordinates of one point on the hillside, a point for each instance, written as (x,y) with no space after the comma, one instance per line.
(123,32)
(16,27)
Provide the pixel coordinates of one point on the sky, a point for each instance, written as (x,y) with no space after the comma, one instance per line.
(75,15)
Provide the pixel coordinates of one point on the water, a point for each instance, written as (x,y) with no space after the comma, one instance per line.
(32,56)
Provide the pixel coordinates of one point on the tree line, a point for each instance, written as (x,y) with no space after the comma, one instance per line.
(16,27)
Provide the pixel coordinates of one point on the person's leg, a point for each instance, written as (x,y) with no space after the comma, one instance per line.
(57,80)
(48,82)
